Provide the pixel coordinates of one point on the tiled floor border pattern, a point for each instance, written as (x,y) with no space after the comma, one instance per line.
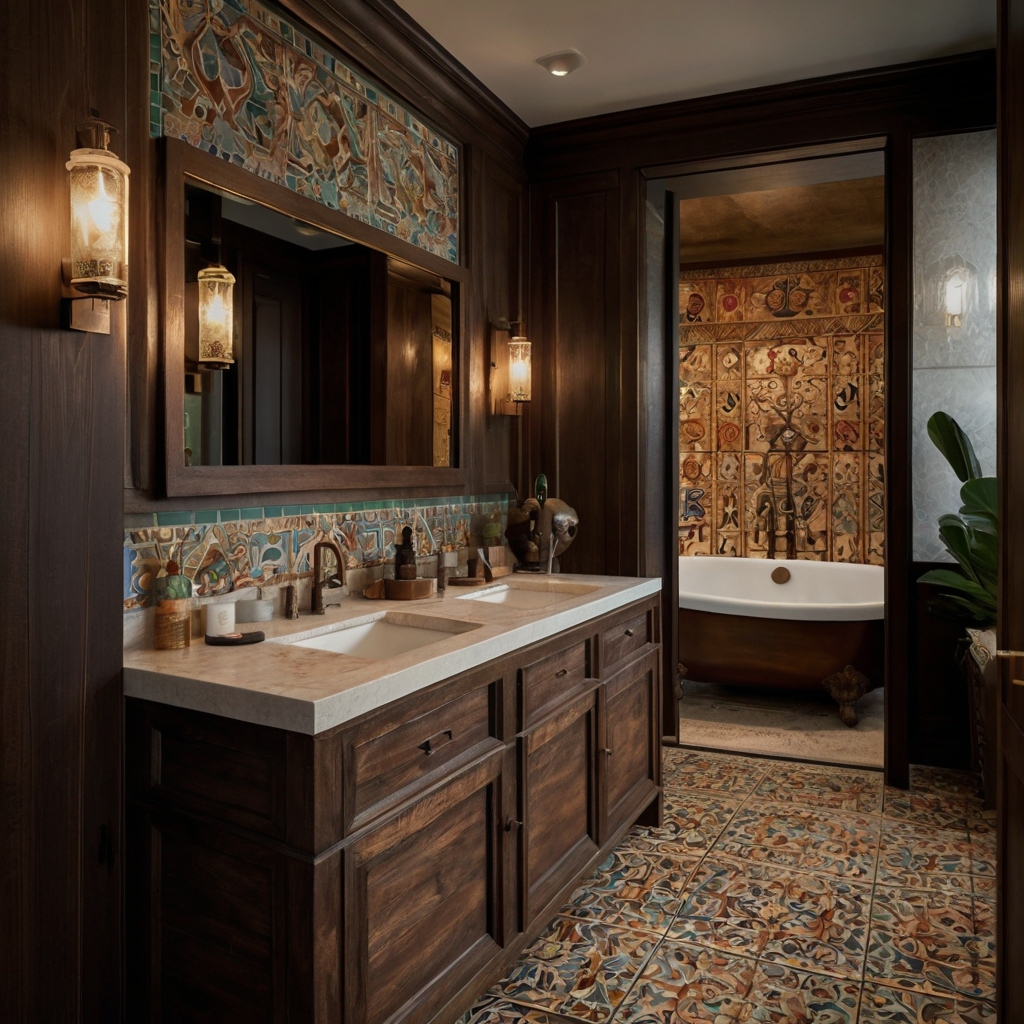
(776,892)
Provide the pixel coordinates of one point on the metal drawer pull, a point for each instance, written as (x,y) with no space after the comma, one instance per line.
(432,745)
(509,823)
(1012,654)
(629,632)
(561,672)
(608,751)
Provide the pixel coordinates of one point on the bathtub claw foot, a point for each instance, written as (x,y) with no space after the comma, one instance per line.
(847,687)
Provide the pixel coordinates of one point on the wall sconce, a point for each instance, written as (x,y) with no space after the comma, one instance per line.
(97,271)
(954,300)
(511,377)
(216,317)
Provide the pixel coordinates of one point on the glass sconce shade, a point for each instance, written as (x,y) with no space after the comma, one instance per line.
(216,317)
(954,300)
(99,223)
(519,370)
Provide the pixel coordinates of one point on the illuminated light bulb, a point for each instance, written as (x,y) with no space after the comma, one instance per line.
(520,372)
(216,317)
(563,63)
(954,300)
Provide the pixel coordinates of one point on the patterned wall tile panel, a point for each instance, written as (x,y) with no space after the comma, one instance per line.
(245,82)
(781,411)
(229,550)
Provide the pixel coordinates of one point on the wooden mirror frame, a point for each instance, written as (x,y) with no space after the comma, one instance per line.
(184,164)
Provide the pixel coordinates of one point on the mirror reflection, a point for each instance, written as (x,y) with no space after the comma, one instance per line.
(303,347)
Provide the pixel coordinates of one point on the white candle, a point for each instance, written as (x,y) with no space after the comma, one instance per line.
(220,619)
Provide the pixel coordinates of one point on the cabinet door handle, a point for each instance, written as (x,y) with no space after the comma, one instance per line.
(629,632)
(608,751)
(442,739)
(561,672)
(509,822)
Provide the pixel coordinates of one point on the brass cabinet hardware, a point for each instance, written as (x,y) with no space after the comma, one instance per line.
(561,672)
(629,632)
(1012,654)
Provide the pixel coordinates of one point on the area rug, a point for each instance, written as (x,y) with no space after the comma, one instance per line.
(802,725)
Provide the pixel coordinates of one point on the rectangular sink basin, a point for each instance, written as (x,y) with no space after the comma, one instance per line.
(535,594)
(385,636)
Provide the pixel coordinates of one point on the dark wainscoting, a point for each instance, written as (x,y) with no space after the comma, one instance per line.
(600,434)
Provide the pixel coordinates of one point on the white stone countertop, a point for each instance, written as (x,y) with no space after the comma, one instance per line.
(306,690)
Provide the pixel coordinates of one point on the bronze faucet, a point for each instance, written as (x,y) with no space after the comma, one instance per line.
(336,579)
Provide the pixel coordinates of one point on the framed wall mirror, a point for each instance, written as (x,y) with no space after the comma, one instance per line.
(303,350)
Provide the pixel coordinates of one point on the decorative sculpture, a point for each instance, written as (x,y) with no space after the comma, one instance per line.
(540,530)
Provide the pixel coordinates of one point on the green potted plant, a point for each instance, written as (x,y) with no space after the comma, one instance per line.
(967,593)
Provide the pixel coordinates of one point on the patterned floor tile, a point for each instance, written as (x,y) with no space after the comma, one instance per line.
(930,942)
(943,781)
(510,1013)
(810,923)
(843,845)
(782,995)
(639,891)
(687,984)
(577,968)
(686,770)
(923,857)
(841,789)
(881,1005)
(937,809)
(984,885)
(691,823)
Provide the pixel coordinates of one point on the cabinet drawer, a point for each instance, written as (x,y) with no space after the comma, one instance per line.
(618,642)
(547,681)
(388,757)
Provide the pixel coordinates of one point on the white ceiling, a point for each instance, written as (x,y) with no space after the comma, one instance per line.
(653,51)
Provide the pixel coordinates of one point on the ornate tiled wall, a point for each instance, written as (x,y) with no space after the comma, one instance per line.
(230,549)
(781,400)
(245,82)
(954,367)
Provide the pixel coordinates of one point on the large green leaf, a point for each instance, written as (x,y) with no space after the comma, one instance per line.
(956,536)
(981,498)
(955,446)
(961,584)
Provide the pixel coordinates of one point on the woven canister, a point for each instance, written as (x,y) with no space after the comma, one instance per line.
(172,629)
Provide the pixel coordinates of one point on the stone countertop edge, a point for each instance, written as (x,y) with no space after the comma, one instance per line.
(200,690)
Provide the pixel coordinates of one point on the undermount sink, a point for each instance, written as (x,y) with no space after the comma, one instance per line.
(534,594)
(385,636)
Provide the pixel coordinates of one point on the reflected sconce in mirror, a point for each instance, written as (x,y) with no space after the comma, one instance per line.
(511,377)
(97,271)
(216,317)
(954,300)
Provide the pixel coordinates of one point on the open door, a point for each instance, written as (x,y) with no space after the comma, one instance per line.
(1010,800)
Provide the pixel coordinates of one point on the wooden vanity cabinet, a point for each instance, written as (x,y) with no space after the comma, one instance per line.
(390,869)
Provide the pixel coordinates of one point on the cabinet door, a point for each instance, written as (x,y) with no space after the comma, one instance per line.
(424,895)
(558,799)
(632,754)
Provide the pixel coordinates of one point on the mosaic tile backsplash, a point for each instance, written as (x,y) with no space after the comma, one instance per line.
(241,80)
(781,411)
(230,549)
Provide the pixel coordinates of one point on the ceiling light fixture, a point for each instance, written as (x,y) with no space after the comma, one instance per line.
(563,63)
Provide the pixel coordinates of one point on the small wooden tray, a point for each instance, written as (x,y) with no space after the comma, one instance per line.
(410,590)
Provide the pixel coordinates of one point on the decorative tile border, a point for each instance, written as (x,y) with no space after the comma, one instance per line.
(229,549)
(245,82)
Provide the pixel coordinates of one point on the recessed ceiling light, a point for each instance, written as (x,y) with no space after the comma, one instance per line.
(563,63)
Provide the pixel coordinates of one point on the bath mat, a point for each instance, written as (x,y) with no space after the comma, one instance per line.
(805,726)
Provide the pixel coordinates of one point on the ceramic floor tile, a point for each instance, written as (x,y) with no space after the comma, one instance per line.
(882,1005)
(687,770)
(687,984)
(577,968)
(937,809)
(810,923)
(510,1013)
(984,885)
(843,844)
(640,891)
(943,780)
(782,995)
(691,823)
(929,942)
(924,857)
(822,787)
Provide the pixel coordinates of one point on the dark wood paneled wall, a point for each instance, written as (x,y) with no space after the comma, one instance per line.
(61,444)
(573,268)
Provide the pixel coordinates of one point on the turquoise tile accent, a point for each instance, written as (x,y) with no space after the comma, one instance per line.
(206,516)
(306,510)
(325,510)
(174,519)
(291,510)
(272,511)
(229,515)
(256,512)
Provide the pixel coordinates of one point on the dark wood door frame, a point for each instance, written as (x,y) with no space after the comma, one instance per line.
(898,365)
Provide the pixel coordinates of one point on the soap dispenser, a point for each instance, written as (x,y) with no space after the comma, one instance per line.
(405,557)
